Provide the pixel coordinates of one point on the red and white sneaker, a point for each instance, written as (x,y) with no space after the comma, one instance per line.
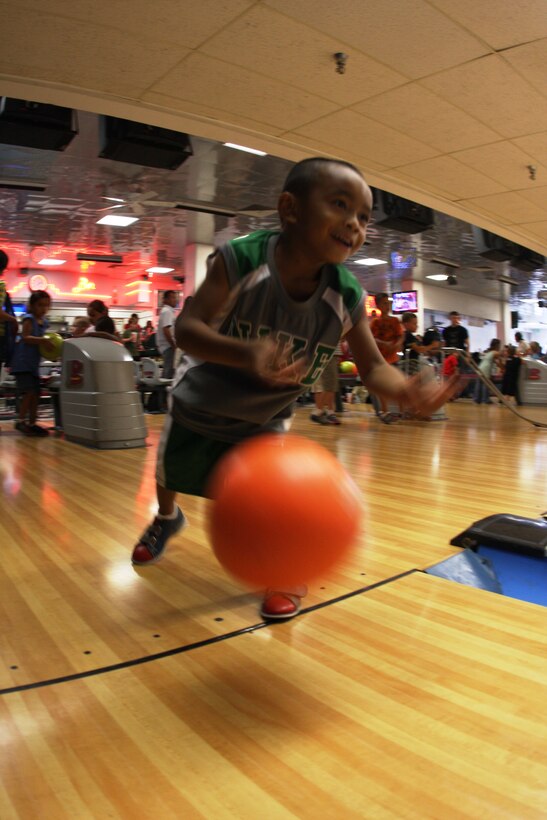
(152,543)
(280,606)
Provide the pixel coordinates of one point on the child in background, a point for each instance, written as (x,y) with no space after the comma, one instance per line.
(79,326)
(451,365)
(258,334)
(25,364)
(510,380)
(413,346)
(105,329)
(96,310)
(490,358)
(388,334)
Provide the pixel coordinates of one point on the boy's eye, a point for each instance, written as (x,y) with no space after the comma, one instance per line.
(339,203)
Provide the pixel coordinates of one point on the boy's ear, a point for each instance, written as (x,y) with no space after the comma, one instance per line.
(287,208)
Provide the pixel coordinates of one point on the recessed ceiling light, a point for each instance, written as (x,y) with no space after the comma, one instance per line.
(439,277)
(159,270)
(120,221)
(370,262)
(51,262)
(244,148)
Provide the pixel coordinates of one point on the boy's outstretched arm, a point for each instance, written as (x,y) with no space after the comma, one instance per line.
(385,380)
(195,336)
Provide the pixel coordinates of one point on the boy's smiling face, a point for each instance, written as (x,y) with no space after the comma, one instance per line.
(332,219)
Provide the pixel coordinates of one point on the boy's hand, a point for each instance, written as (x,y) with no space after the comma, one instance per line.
(423,398)
(273,368)
(48,345)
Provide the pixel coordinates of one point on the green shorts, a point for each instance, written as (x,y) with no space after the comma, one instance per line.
(186,459)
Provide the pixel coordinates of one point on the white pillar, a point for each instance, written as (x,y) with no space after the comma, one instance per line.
(195,266)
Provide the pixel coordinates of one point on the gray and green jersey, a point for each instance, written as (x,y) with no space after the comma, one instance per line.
(229,404)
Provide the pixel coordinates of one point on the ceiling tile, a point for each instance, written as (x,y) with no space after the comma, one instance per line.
(536,195)
(535,145)
(451,177)
(318,148)
(427,117)
(530,61)
(502,161)
(509,207)
(392,32)
(182,24)
(500,24)
(187,107)
(127,65)
(274,45)
(538,229)
(349,131)
(492,92)
(239,91)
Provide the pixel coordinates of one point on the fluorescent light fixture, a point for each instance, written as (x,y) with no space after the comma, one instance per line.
(438,277)
(370,262)
(159,270)
(120,221)
(52,262)
(244,148)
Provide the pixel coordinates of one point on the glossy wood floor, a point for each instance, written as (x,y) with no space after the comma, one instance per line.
(418,698)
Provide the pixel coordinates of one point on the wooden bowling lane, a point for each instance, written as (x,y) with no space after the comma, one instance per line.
(418,699)
(71,602)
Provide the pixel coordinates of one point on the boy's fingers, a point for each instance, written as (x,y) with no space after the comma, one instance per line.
(424,398)
(285,375)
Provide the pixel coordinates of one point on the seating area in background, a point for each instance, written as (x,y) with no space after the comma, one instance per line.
(151,385)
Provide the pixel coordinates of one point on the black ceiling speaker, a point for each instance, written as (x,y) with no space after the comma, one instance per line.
(492,246)
(140,144)
(527,260)
(400,214)
(498,249)
(36,125)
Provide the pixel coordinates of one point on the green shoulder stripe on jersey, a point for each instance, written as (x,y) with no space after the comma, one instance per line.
(250,251)
(350,288)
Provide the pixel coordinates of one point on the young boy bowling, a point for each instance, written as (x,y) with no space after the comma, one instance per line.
(259,332)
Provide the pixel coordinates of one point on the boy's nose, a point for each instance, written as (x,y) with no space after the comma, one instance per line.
(352,221)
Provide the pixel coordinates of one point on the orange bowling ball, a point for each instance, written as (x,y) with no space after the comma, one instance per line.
(285,513)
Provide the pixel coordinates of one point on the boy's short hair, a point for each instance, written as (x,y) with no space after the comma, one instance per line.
(81,321)
(105,325)
(167,294)
(379,296)
(36,295)
(454,313)
(98,306)
(4,260)
(407,316)
(303,176)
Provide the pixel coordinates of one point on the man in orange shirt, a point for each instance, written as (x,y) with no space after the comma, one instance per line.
(388,332)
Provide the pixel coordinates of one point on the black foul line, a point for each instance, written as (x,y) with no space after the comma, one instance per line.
(179,650)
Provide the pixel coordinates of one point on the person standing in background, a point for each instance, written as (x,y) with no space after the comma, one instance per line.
(8,323)
(523,348)
(131,336)
(165,336)
(455,335)
(388,333)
